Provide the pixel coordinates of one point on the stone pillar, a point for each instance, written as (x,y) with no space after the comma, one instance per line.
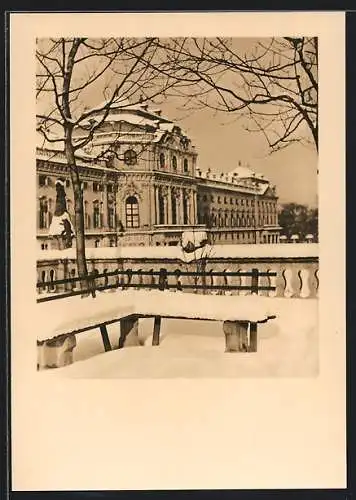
(156,191)
(181,218)
(55,353)
(236,336)
(169,206)
(104,198)
(194,208)
(129,332)
(152,206)
(189,208)
(165,210)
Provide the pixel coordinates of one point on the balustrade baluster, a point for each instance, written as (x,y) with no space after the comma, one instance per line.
(316,274)
(304,275)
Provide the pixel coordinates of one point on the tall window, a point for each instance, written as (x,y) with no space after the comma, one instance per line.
(132,213)
(160,209)
(42,180)
(111,217)
(50,209)
(185,211)
(86,216)
(96,214)
(174,210)
(43,213)
(162,160)
(185,165)
(130,157)
(174,163)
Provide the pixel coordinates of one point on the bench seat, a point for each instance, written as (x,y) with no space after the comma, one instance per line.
(61,320)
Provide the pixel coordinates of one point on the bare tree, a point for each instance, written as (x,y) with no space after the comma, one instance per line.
(274,82)
(69,71)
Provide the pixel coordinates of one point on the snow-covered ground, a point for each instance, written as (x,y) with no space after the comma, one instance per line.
(283,250)
(287,347)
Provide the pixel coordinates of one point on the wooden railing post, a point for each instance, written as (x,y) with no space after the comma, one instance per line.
(156,330)
(162,280)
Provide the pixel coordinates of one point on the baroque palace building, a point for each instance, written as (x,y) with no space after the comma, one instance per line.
(142,186)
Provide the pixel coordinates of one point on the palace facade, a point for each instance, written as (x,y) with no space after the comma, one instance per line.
(142,186)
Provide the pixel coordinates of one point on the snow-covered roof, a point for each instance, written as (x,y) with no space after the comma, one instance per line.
(242,171)
(234,182)
(132,118)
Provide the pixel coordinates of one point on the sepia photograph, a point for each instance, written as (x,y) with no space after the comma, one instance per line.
(165,217)
(177,251)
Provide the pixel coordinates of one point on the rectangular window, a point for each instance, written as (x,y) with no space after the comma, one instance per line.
(110,188)
(111,218)
(132,219)
(42,180)
(67,183)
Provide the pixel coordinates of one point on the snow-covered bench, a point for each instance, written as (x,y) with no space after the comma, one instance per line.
(62,320)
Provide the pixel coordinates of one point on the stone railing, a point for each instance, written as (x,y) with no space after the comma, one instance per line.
(296,267)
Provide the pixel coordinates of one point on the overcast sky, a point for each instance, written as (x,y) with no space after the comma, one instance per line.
(222,142)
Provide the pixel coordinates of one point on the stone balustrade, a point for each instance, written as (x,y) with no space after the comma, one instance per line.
(296,271)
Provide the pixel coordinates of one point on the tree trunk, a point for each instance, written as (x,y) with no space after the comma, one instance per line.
(78,216)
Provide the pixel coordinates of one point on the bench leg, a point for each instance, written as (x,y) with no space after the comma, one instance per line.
(235,336)
(105,337)
(129,332)
(253,338)
(55,353)
(156,330)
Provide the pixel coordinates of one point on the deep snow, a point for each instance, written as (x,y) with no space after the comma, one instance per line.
(287,347)
(76,313)
(283,250)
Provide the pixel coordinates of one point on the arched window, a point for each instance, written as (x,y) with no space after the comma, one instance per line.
(132,212)
(162,160)
(185,165)
(43,213)
(130,157)
(174,163)
(97,243)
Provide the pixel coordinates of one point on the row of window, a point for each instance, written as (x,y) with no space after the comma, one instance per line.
(44,180)
(226,220)
(97,218)
(164,163)
(247,237)
(238,201)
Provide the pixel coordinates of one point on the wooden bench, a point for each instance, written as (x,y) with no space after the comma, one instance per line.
(57,339)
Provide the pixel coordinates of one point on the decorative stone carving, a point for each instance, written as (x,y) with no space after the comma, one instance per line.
(131,189)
